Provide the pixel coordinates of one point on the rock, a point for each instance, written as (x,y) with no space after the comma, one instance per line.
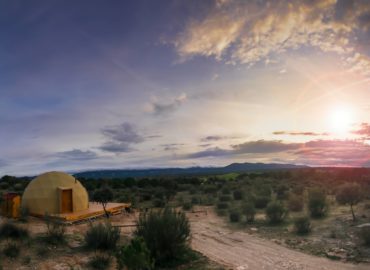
(254,229)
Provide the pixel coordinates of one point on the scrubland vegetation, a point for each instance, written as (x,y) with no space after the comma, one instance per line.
(319,211)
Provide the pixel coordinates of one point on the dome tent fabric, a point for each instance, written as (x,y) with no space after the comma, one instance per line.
(55,193)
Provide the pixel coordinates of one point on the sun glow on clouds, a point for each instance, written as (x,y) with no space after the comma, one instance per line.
(341,119)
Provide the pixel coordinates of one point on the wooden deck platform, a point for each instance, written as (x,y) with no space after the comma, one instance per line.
(95,210)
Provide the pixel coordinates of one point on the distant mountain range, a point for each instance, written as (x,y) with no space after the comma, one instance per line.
(234,167)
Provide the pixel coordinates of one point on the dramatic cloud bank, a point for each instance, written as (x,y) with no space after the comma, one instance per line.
(250,31)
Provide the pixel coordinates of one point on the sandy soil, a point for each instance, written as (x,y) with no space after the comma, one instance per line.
(241,251)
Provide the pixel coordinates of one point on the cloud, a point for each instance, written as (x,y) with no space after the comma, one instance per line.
(300,133)
(160,107)
(116,147)
(316,152)
(364,130)
(120,138)
(76,154)
(217,138)
(250,31)
(171,146)
(211,152)
(334,152)
(250,147)
(125,133)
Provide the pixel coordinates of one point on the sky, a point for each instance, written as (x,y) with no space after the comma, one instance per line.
(93,84)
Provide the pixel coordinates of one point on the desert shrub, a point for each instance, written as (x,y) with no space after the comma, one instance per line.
(222,205)
(4,185)
(249,211)
(11,250)
(195,200)
(225,198)
(193,191)
(26,260)
(9,230)
(42,251)
(234,216)
(18,187)
(365,235)
(317,204)
(210,189)
(298,189)
(302,225)
(187,206)
(102,236)
(238,195)
(166,233)
(159,203)
(281,192)
(226,191)
(209,200)
(261,202)
(275,212)
(295,203)
(55,231)
(135,256)
(100,262)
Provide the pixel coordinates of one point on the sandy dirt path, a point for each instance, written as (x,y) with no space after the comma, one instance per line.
(242,251)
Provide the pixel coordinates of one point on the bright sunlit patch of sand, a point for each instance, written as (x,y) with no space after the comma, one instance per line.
(341,119)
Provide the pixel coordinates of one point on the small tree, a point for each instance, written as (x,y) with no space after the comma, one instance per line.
(275,212)
(302,225)
(349,194)
(249,211)
(317,202)
(103,196)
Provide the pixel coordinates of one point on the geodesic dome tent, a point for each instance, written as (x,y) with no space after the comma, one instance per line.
(55,193)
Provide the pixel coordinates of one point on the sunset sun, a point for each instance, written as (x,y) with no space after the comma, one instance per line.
(341,119)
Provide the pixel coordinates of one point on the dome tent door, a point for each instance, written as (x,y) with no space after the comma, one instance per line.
(66,200)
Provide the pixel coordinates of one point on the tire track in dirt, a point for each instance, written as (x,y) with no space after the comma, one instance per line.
(241,251)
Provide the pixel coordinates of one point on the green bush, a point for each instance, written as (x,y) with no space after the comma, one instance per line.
(222,205)
(302,225)
(102,236)
(11,250)
(275,212)
(4,185)
(166,234)
(238,195)
(225,198)
(100,262)
(18,187)
(249,211)
(55,231)
(226,191)
(295,203)
(9,230)
(261,202)
(195,200)
(234,216)
(365,235)
(135,256)
(187,206)
(317,204)
(159,203)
